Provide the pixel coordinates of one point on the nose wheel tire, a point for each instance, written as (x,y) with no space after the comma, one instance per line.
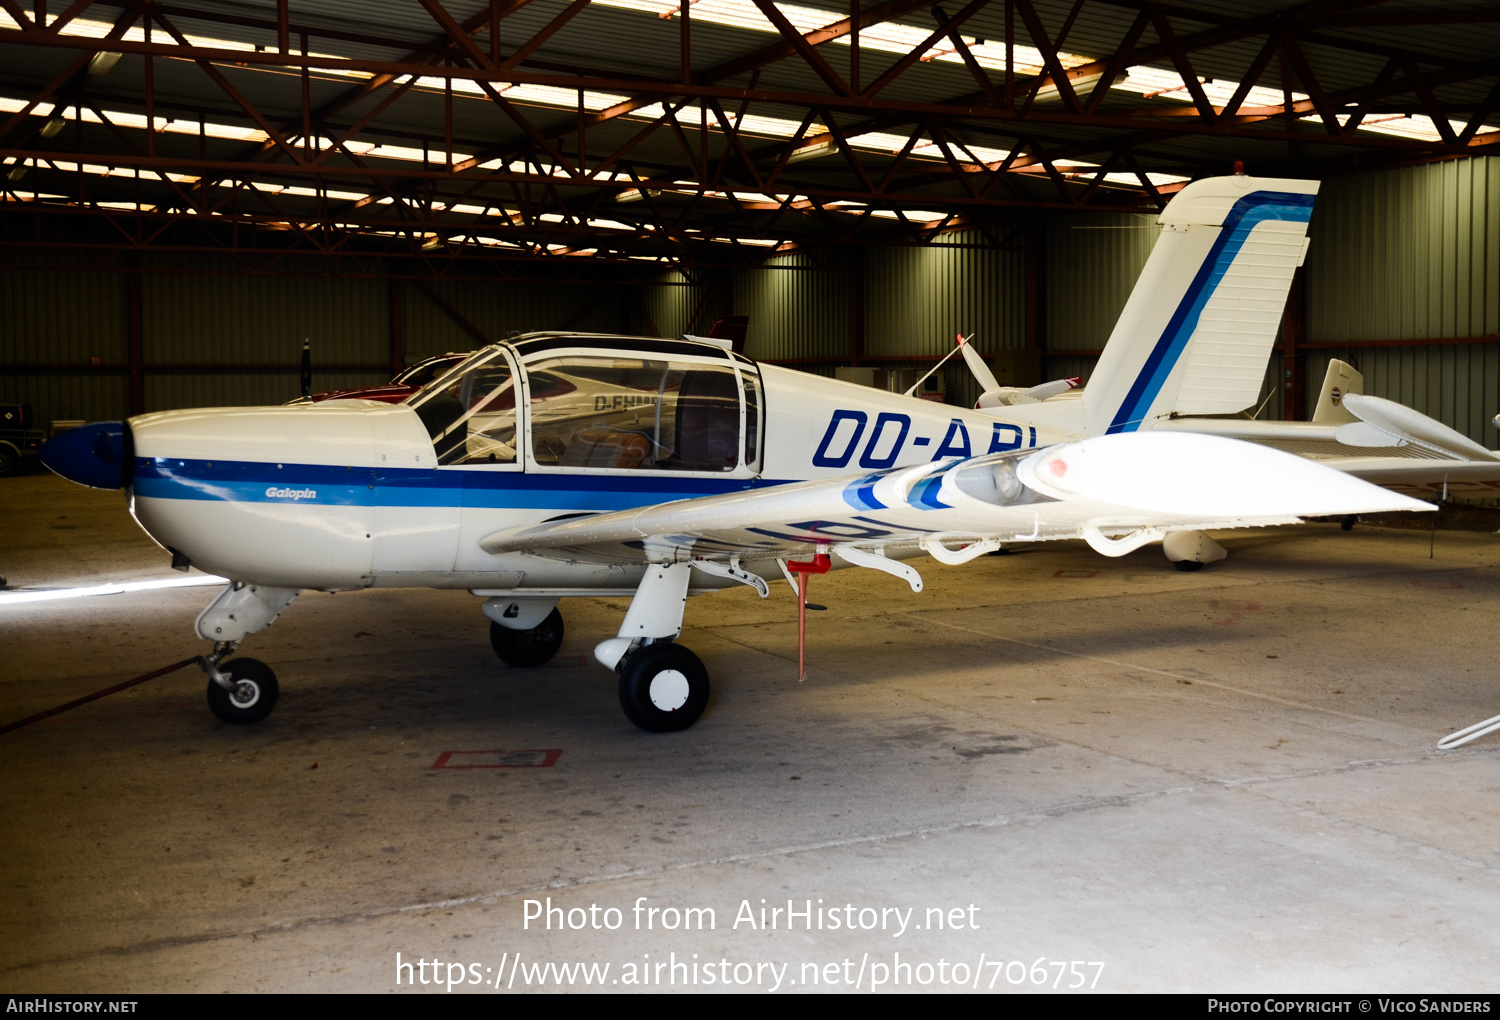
(663,688)
(254,694)
(528,647)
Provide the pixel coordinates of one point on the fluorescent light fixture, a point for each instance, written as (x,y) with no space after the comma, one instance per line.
(635,194)
(103,63)
(10,598)
(813,151)
(1050,92)
(53,127)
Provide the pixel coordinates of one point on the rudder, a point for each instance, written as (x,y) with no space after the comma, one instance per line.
(1197,331)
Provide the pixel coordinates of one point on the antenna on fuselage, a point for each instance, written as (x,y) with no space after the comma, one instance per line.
(962,340)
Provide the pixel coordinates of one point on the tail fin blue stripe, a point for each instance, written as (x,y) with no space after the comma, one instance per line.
(1242,219)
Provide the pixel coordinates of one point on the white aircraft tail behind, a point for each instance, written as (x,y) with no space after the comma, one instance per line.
(1339,381)
(1197,331)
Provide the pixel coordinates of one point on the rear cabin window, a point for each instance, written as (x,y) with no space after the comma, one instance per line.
(641,414)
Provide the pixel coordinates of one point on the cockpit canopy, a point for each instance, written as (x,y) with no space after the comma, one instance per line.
(599,403)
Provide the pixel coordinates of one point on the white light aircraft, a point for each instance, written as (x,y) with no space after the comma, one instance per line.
(561,464)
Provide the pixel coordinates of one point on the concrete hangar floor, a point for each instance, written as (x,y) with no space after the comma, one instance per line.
(1049,769)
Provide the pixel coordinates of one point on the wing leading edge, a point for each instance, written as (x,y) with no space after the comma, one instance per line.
(1117,492)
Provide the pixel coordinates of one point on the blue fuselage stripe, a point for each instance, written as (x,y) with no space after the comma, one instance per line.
(1242,219)
(324,485)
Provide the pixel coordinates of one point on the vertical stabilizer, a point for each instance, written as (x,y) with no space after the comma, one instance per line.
(1196,334)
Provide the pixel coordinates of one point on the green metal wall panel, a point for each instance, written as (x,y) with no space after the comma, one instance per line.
(1411,253)
(67,396)
(918,298)
(1092,263)
(497,309)
(51,317)
(794,312)
(261,320)
(173,390)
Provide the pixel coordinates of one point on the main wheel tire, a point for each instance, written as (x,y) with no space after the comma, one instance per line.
(254,695)
(528,647)
(663,688)
(1188,565)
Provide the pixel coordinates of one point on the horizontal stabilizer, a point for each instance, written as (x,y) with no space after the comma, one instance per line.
(1403,425)
(1010,396)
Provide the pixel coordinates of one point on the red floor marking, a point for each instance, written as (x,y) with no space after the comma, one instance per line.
(540,759)
(1437,584)
(1076,573)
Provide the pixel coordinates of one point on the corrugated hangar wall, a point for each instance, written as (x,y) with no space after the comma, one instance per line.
(1413,254)
(1400,258)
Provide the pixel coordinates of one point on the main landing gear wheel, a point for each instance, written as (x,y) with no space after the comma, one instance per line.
(254,694)
(528,647)
(663,687)
(1188,565)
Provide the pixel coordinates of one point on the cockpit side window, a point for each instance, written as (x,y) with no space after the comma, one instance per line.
(752,417)
(634,413)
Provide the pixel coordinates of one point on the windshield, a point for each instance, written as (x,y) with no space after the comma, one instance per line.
(444,381)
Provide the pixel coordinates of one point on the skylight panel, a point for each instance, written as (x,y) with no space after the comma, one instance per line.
(886,36)
(1417,126)
(1152,82)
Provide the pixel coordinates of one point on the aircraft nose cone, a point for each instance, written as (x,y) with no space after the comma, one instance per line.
(96,455)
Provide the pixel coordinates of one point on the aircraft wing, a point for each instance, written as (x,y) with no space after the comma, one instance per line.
(1388,444)
(1117,492)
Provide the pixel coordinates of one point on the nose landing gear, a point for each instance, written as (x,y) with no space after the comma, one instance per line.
(244,691)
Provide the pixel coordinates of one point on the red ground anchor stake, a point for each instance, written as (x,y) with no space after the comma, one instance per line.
(820,565)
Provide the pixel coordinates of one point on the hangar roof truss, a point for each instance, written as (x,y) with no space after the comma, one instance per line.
(691,133)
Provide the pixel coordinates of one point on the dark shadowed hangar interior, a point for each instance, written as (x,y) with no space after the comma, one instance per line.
(1049,770)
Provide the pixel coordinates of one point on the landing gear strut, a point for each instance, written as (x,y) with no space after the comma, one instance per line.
(241,690)
(663,686)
